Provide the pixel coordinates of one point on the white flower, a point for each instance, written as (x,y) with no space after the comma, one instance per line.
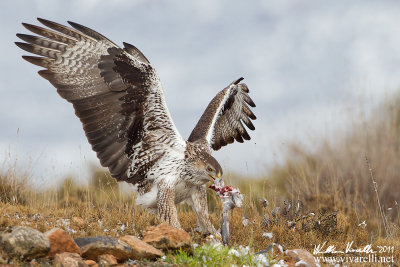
(261,260)
(244,250)
(217,245)
(234,252)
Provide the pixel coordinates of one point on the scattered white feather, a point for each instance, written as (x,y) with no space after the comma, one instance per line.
(302,263)
(364,224)
(267,235)
(245,221)
(280,263)
(298,207)
(279,247)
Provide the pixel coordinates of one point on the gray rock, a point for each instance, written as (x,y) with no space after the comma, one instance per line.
(24,242)
(93,247)
(67,259)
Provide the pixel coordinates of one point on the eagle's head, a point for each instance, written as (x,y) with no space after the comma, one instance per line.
(207,167)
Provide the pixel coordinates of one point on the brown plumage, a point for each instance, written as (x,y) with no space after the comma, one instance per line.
(118,97)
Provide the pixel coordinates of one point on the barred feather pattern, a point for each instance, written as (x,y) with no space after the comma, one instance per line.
(222,121)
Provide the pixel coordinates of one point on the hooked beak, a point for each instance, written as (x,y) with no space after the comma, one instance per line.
(213,177)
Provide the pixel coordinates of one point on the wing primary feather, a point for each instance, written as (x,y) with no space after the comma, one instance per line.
(47,74)
(43,42)
(249,101)
(63,29)
(50,34)
(89,32)
(131,49)
(38,50)
(238,80)
(248,112)
(238,137)
(245,134)
(244,87)
(248,123)
(39,61)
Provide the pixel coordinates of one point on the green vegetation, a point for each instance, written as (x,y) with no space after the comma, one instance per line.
(214,254)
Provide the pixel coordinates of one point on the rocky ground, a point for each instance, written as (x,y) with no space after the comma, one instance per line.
(22,245)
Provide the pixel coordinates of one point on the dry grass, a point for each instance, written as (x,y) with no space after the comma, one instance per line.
(358,175)
(313,197)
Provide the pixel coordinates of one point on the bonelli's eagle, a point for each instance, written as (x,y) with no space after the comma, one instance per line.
(118,97)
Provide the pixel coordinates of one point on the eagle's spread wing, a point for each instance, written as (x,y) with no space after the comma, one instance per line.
(221,122)
(115,92)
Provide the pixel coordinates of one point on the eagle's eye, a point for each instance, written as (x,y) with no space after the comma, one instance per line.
(209,169)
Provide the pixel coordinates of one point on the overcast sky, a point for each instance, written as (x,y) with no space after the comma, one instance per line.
(308,65)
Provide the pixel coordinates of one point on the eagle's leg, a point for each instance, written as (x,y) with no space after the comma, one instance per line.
(198,201)
(166,207)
